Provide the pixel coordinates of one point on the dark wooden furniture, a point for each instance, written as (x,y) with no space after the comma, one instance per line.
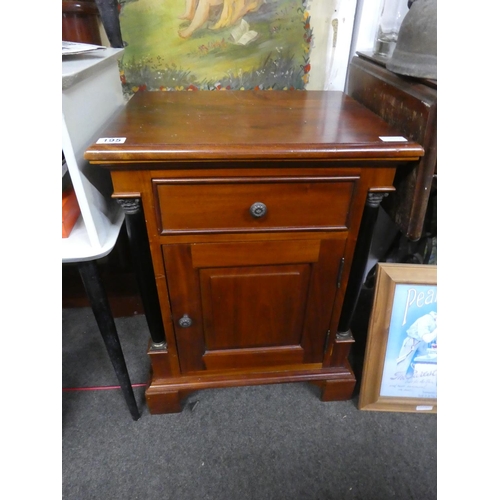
(410,105)
(244,209)
(80,22)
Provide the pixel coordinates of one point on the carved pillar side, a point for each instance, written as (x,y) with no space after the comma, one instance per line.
(359,262)
(139,245)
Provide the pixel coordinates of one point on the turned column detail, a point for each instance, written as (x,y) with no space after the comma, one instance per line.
(359,262)
(143,265)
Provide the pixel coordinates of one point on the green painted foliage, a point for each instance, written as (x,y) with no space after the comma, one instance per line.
(157,58)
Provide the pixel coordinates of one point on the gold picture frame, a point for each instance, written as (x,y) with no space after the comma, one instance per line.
(400,364)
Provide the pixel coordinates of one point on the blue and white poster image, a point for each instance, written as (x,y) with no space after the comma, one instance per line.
(410,367)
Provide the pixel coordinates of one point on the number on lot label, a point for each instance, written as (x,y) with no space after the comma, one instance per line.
(111,140)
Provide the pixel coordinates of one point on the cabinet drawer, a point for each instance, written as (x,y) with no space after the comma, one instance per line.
(194,205)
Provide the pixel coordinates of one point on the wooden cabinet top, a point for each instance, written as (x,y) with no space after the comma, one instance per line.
(247,125)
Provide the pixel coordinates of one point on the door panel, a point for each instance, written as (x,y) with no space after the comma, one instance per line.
(252,303)
(260,306)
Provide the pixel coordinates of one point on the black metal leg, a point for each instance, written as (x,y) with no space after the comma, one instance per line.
(359,262)
(94,288)
(139,246)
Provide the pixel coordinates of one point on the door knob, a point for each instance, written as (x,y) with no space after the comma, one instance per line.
(185,321)
(258,209)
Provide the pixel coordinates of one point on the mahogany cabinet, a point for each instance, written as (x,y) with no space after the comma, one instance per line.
(245,210)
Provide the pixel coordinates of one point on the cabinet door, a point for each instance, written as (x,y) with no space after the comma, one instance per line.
(252,304)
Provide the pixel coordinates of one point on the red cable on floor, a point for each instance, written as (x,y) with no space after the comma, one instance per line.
(99,388)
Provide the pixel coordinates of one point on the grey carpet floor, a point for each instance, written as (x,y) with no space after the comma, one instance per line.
(276,442)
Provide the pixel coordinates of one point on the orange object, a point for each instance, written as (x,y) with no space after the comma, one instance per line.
(70,211)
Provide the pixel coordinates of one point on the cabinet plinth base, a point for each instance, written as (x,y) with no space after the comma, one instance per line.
(165,395)
(337,390)
(164,402)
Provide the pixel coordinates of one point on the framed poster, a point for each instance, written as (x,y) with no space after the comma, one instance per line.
(400,365)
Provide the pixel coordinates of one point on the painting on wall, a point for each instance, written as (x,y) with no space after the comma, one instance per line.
(215,44)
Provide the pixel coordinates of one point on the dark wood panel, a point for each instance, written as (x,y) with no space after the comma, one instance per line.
(80,22)
(410,105)
(403,102)
(233,298)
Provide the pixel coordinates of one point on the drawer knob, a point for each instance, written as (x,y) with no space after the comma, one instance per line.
(258,209)
(185,321)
